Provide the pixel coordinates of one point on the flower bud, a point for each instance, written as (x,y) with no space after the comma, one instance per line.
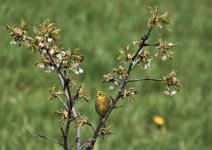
(40,65)
(49,40)
(44,51)
(164,57)
(59,56)
(173,92)
(166,92)
(51,52)
(171,44)
(111,87)
(80,70)
(41,44)
(13,42)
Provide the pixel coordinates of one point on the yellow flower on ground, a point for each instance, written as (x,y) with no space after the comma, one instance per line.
(158,120)
(102,103)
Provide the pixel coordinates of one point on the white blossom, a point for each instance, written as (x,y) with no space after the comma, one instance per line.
(74,65)
(80,70)
(40,65)
(59,56)
(171,44)
(173,92)
(47,70)
(38,37)
(51,67)
(135,42)
(76,72)
(145,66)
(13,42)
(170,92)
(63,53)
(111,87)
(41,44)
(116,83)
(164,57)
(49,40)
(44,51)
(134,63)
(51,52)
(149,62)
(166,92)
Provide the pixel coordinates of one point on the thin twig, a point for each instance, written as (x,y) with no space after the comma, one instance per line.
(61,63)
(46,138)
(142,79)
(117,107)
(112,99)
(65,144)
(78,130)
(156,44)
(75,97)
(117,81)
(63,102)
(89,124)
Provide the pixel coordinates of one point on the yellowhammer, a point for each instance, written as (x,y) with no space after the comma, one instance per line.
(102,103)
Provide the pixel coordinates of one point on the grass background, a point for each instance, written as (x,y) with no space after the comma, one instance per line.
(99,28)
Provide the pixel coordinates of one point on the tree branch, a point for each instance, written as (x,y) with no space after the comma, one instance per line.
(89,124)
(75,97)
(48,139)
(78,130)
(142,79)
(90,143)
(64,104)
(71,110)
(157,44)
(65,144)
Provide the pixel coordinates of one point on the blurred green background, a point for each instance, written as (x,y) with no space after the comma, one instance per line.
(99,28)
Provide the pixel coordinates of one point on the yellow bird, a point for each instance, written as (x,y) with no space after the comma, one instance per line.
(102,103)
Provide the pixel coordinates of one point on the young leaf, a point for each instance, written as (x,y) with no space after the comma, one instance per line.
(24,24)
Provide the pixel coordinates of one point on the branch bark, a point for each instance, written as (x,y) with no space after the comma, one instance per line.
(157,44)
(71,110)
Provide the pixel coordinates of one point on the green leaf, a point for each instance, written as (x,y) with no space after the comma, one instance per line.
(36,30)
(24,24)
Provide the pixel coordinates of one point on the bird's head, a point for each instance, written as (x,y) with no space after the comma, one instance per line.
(101,94)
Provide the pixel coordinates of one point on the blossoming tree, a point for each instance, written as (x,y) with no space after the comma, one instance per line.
(67,65)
